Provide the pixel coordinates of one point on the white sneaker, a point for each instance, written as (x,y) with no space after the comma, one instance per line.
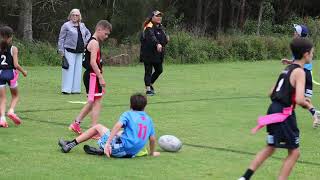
(242,178)
(316,119)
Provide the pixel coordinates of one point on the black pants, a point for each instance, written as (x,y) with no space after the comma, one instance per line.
(149,77)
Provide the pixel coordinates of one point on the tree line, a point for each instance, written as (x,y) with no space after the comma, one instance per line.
(42,19)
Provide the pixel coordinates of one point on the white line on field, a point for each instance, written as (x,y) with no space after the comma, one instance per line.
(77,102)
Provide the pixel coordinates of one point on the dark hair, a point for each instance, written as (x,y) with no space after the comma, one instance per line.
(104,24)
(5,33)
(299,46)
(138,102)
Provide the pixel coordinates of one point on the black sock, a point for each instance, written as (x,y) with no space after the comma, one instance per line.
(72,144)
(248,174)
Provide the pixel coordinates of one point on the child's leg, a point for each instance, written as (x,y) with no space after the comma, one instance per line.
(75,126)
(288,163)
(97,129)
(14,99)
(84,112)
(3,102)
(95,111)
(261,157)
(66,146)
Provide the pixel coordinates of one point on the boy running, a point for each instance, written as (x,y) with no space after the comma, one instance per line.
(289,91)
(301,31)
(137,129)
(9,74)
(92,77)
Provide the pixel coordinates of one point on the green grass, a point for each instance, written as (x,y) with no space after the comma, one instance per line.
(213,105)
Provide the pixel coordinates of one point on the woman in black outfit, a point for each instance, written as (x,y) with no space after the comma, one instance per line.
(153,41)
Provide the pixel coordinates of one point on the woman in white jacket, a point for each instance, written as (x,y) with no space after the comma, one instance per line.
(73,38)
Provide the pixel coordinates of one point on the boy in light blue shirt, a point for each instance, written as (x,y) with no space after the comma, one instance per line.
(137,130)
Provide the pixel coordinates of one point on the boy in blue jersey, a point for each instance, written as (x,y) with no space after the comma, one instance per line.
(137,130)
(301,31)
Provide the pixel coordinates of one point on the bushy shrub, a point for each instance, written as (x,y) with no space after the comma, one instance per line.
(37,53)
(186,48)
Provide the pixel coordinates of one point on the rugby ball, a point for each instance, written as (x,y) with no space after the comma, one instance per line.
(170,143)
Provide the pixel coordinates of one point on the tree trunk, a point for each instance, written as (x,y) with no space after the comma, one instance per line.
(242,13)
(260,17)
(26,20)
(199,12)
(231,18)
(220,15)
(236,23)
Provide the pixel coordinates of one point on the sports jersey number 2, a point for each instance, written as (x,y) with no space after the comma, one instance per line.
(142,131)
(280,85)
(3,62)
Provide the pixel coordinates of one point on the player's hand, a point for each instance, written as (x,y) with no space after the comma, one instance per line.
(286,61)
(24,73)
(159,48)
(155,154)
(102,82)
(316,119)
(107,150)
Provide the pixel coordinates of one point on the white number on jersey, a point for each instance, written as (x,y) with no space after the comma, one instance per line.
(3,60)
(280,85)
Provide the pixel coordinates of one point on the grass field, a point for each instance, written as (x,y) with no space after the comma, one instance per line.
(210,107)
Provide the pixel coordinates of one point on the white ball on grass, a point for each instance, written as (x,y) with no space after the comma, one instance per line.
(170,143)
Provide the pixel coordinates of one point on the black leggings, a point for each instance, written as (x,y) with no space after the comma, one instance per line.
(149,77)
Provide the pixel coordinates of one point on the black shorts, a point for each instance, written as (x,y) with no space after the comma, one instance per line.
(308,88)
(284,134)
(86,82)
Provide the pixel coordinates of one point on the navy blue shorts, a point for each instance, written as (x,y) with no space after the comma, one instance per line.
(8,76)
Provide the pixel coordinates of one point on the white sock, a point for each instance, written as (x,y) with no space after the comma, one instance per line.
(3,118)
(148,88)
(11,111)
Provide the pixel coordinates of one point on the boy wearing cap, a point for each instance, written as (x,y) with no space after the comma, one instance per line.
(301,31)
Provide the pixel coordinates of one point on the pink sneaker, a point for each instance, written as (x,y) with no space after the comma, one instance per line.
(14,118)
(75,127)
(4,124)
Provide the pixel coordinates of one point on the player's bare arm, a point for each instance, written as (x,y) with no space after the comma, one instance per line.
(116,128)
(15,61)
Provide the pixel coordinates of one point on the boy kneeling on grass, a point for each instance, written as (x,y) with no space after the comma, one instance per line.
(137,129)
